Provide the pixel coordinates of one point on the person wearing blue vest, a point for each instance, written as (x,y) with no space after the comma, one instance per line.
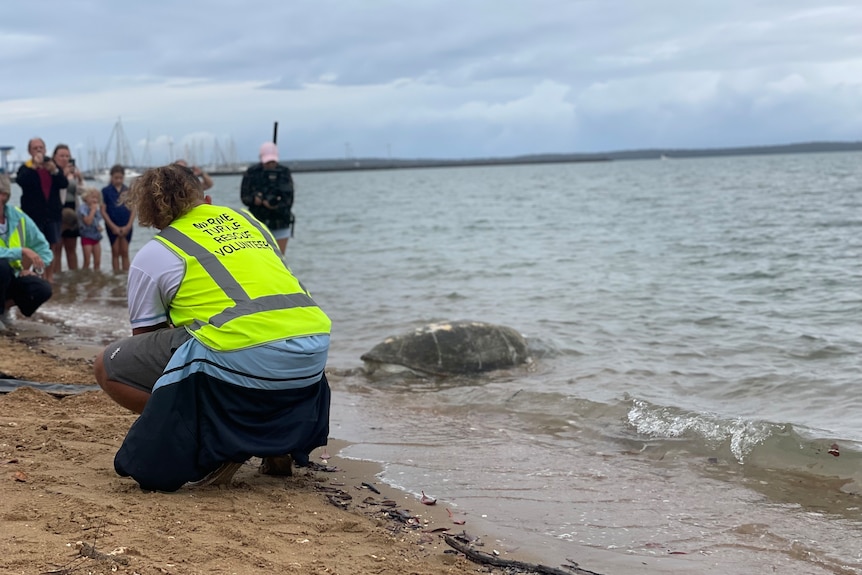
(227,354)
(24,256)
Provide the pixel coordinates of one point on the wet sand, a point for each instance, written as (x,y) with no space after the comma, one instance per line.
(60,494)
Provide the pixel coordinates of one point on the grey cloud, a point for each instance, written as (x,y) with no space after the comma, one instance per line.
(460,75)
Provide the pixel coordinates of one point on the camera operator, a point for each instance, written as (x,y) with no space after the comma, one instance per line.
(267,190)
(41,181)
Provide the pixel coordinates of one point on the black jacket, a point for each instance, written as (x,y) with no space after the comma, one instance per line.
(33,201)
(274,186)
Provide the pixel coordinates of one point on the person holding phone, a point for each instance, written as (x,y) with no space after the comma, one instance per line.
(41,181)
(69,219)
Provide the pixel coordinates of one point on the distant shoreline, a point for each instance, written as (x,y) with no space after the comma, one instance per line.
(378,164)
(360,164)
(354,164)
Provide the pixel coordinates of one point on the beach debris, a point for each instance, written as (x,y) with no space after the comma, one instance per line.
(404,516)
(370,487)
(339,502)
(20,477)
(315,466)
(465,537)
(339,492)
(337,497)
(455,521)
(491,559)
(425,500)
(385,503)
(87,550)
(833,450)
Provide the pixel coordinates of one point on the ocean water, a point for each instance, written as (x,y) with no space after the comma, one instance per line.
(695,398)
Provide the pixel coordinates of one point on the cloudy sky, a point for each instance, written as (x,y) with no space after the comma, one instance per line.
(428,78)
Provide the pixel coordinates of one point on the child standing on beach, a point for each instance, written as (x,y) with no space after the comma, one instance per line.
(90,226)
(118,218)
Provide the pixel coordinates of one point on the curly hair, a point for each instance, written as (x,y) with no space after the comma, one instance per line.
(161,195)
(91,192)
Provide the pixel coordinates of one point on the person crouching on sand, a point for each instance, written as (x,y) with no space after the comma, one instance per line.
(24,256)
(228,350)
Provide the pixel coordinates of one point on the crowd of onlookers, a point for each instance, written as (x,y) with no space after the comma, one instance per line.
(57,209)
(64,209)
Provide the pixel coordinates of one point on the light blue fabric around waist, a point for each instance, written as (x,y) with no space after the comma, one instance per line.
(286,364)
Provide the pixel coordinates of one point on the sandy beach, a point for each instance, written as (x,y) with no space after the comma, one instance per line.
(64,510)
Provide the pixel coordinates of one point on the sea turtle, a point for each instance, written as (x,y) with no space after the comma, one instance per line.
(449,348)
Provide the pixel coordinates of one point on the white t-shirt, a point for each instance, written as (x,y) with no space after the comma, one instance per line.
(154,278)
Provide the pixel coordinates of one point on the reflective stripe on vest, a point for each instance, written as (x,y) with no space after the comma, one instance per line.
(16,239)
(244,305)
(238,319)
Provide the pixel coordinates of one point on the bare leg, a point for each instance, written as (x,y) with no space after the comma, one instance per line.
(124,253)
(97,257)
(115,255)
(88,251)
(127,396)
(57,264)
(57,252)
(70,246)
(282,245)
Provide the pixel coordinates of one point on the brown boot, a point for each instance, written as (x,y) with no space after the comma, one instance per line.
(279,465)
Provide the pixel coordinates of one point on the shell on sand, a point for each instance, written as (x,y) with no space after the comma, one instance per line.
(451,348)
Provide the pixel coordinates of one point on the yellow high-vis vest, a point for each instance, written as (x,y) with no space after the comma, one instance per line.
(237,291)
(16,238)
